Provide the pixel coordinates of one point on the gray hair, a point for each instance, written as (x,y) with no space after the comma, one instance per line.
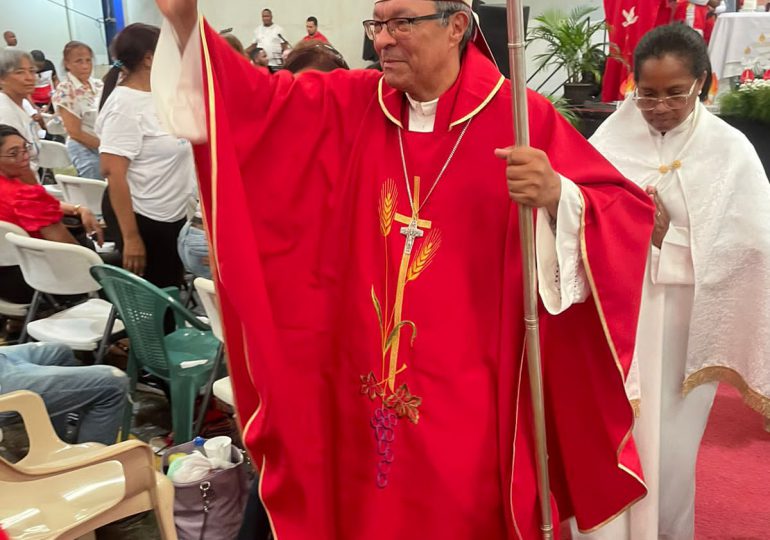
(448,7)
(10,60)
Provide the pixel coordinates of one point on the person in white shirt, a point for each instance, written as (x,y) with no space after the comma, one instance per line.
(76,101)
(151,173)
(18,74)
(269,36)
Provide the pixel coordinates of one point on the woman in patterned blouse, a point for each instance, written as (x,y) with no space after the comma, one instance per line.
(76,101)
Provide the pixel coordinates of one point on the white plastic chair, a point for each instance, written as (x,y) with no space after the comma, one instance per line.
(54,125)
(63,269)
(9,257)
(53,155)
(63,491)
(55,191)
(86,192)
(221,388)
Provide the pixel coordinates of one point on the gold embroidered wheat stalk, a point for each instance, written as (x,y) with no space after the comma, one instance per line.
(426,255)
(387,206)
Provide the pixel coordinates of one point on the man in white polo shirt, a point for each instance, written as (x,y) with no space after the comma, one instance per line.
(269,37)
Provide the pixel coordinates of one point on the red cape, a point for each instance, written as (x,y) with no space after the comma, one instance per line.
(628,21)
(292,183)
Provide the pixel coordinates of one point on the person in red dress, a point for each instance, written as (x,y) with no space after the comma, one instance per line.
(697,14)
(27,204)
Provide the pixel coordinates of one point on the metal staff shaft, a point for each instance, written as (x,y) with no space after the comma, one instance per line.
(517,58)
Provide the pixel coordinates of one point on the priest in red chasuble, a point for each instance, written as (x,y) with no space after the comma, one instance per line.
(367,260)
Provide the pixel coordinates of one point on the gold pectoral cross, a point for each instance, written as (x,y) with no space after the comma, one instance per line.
(415,228)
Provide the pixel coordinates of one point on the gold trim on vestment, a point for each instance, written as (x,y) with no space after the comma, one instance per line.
(384,108)
(751,397)
(613,350)
(214,174)
(614,516)
(636,404)
(483,104)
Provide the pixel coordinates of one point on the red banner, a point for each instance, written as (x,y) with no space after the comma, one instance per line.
(628,21)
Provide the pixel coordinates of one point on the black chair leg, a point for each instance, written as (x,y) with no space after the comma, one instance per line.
(102,350)
(30,316)
(209,386)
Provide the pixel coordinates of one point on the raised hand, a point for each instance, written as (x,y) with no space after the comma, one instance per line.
(182,14)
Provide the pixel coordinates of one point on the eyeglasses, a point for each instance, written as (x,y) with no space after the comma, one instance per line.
(398,26)
(18,154)
(672,102)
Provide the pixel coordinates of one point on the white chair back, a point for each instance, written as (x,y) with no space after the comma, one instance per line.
(54,125)
(208,296)
(8,254)
(53,155)
(55,267)
(86,192)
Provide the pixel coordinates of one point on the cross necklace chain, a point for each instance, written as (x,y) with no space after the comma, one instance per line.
(412,231)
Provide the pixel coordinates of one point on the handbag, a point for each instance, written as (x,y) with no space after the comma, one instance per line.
(210,508)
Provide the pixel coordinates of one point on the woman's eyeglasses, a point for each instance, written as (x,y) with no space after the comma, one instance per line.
(17,154)
(673,103)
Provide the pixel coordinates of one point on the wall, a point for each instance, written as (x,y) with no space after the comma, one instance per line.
(339,20)
(44,25)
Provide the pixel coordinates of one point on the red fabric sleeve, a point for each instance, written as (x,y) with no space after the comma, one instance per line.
(593,342)
(271,115)
(35,208)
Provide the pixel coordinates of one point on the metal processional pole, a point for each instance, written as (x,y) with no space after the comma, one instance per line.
(517,58)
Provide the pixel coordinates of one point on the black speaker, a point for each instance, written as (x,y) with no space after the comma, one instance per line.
(369,54)
(493,20)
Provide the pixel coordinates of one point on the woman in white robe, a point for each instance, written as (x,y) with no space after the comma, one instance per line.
(705,313)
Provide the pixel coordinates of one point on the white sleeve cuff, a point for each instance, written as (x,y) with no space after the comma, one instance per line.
(672,263)
(561,276)
(177,85)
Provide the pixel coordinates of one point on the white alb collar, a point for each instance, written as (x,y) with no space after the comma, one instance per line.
(424,108)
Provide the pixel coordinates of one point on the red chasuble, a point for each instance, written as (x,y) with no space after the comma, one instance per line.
(628,21)
(375,346)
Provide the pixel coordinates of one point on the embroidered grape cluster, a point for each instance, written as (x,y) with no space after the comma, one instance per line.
(384,424)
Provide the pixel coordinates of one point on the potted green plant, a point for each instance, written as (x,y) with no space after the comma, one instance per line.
(748,109)
(574,43)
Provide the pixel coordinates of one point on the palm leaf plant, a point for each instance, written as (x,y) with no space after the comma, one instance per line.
(572,43)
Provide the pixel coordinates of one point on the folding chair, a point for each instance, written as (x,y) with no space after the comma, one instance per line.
(221,387)
(9,257)
(86,192)
(53,155)
(56,268)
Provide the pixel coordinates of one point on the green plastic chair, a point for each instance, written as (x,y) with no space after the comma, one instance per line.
(174,357)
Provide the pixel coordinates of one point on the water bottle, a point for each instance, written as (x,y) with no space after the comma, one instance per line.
(198,443)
